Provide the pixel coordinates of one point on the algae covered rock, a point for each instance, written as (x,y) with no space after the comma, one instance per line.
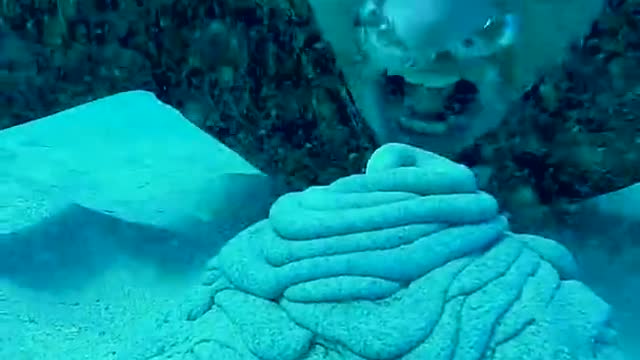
(573,136)
(257,75)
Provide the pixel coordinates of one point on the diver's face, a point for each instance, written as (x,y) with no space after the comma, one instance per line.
(434,25)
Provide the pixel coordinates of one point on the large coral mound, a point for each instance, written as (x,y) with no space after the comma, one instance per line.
(407,261)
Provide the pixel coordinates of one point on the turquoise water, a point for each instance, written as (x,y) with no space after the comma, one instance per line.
(127,233)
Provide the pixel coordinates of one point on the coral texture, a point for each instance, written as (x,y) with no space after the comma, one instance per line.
(407,261)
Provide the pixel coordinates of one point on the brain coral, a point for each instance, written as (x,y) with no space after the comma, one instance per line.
(406,261)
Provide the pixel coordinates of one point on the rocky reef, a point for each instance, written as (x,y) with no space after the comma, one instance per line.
(256,75)
(259,76)
(574,134)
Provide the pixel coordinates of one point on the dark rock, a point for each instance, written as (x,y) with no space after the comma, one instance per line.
(575,134)
(256,75)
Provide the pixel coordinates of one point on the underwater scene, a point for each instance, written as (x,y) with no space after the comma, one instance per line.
(319,180)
